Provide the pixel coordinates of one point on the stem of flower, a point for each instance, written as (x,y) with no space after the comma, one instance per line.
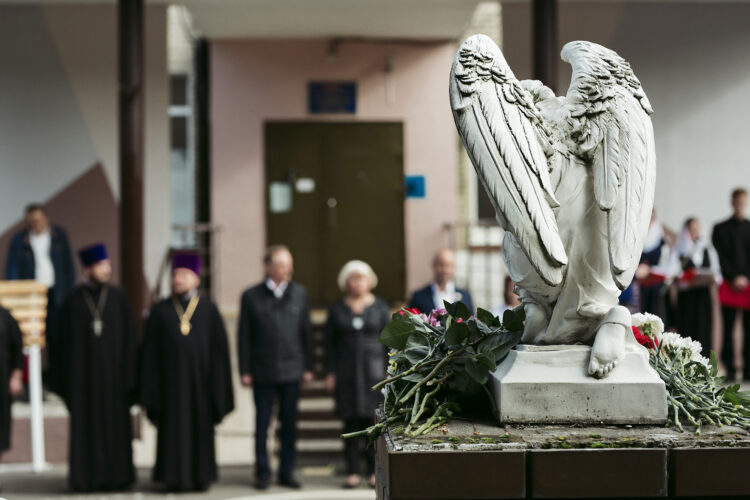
(413,369)
(422,382)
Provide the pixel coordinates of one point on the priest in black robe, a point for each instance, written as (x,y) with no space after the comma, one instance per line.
(186,384)
(97,377)
(11,371)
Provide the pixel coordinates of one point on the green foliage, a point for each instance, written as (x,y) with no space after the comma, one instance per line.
(695,392)
(396,333)
(438,362)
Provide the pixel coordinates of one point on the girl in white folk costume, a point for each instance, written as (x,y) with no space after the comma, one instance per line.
(695,266)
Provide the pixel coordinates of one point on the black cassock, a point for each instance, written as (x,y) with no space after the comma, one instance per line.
(97,380)
(11,358)
(186,388)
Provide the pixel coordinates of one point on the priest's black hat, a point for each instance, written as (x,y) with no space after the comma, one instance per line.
(93,254)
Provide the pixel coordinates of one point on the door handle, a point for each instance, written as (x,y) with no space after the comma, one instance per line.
(331,203)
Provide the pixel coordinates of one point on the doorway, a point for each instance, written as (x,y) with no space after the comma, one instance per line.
(335,192)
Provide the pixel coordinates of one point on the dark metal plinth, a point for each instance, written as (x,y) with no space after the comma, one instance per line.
(480,461)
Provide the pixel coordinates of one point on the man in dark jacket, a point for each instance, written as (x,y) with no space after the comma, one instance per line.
(275,354)
(41,252)
(731,239)
(443,288)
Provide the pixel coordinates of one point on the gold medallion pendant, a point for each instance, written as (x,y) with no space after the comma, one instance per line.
(185,315)
(96,310)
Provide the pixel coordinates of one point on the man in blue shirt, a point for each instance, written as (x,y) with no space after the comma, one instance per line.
(443,288)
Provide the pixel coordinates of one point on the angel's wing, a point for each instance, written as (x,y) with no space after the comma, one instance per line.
(499,125)
(612,128)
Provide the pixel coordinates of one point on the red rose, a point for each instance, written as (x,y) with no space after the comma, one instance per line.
(412,310)
(642,339)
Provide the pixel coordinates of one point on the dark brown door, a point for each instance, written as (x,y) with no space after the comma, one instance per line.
(335,192)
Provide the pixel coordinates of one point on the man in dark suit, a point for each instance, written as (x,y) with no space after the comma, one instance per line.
(731,239)
(275,355)
(41,252)
(443,287)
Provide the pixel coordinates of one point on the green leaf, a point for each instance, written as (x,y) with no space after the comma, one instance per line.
(487,317)
(512,321)
(418,323)
(418,339)
(477,371)
(396,333)
(456,333)
(399,358)
(416,354)
(414,377)
(744,397)
(499,344)
(457,310)
(487,360)
(713,363)
(483,328)
(474,331)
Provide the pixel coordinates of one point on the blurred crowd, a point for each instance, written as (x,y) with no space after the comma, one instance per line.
(686,277)
(179,372)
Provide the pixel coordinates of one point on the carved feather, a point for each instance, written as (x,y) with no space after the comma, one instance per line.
(610,124)
(498,124)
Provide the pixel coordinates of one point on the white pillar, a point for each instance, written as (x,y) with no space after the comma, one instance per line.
(38,461)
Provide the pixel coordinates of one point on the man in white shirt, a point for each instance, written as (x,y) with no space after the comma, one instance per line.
(44,271)
(443,288)
(41,252)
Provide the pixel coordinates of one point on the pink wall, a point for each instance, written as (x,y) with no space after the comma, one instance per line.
(259,80)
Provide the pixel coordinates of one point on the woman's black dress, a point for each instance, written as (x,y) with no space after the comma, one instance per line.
(358,360)
(694,316)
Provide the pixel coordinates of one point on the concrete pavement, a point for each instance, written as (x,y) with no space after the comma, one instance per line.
(236,483)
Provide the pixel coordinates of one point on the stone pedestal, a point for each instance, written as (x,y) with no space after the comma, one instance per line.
(549,384)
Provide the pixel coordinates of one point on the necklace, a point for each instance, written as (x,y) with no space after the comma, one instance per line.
(185,315)
(97,325)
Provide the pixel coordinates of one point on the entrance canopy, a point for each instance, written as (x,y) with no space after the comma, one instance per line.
(409,19)
(417,19)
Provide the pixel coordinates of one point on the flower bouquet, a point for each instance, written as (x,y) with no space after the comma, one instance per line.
(438,364)
(694,391)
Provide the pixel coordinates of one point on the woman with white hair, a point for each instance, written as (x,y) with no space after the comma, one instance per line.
(356,360)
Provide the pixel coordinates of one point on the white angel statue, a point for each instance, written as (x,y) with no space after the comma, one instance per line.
(572,182)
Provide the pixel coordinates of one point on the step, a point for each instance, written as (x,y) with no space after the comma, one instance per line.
(316,415)
(332,424)
(311,392)
(313,433)
(320,445)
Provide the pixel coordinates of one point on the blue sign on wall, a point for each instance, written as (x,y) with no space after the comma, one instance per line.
(415,186)
(332,97)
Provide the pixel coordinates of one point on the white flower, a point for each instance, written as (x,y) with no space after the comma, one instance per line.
(653,321)
(676,342)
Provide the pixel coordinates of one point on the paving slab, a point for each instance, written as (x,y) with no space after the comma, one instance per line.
(236,483)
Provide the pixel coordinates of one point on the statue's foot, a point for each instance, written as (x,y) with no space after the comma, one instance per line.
(608,349)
